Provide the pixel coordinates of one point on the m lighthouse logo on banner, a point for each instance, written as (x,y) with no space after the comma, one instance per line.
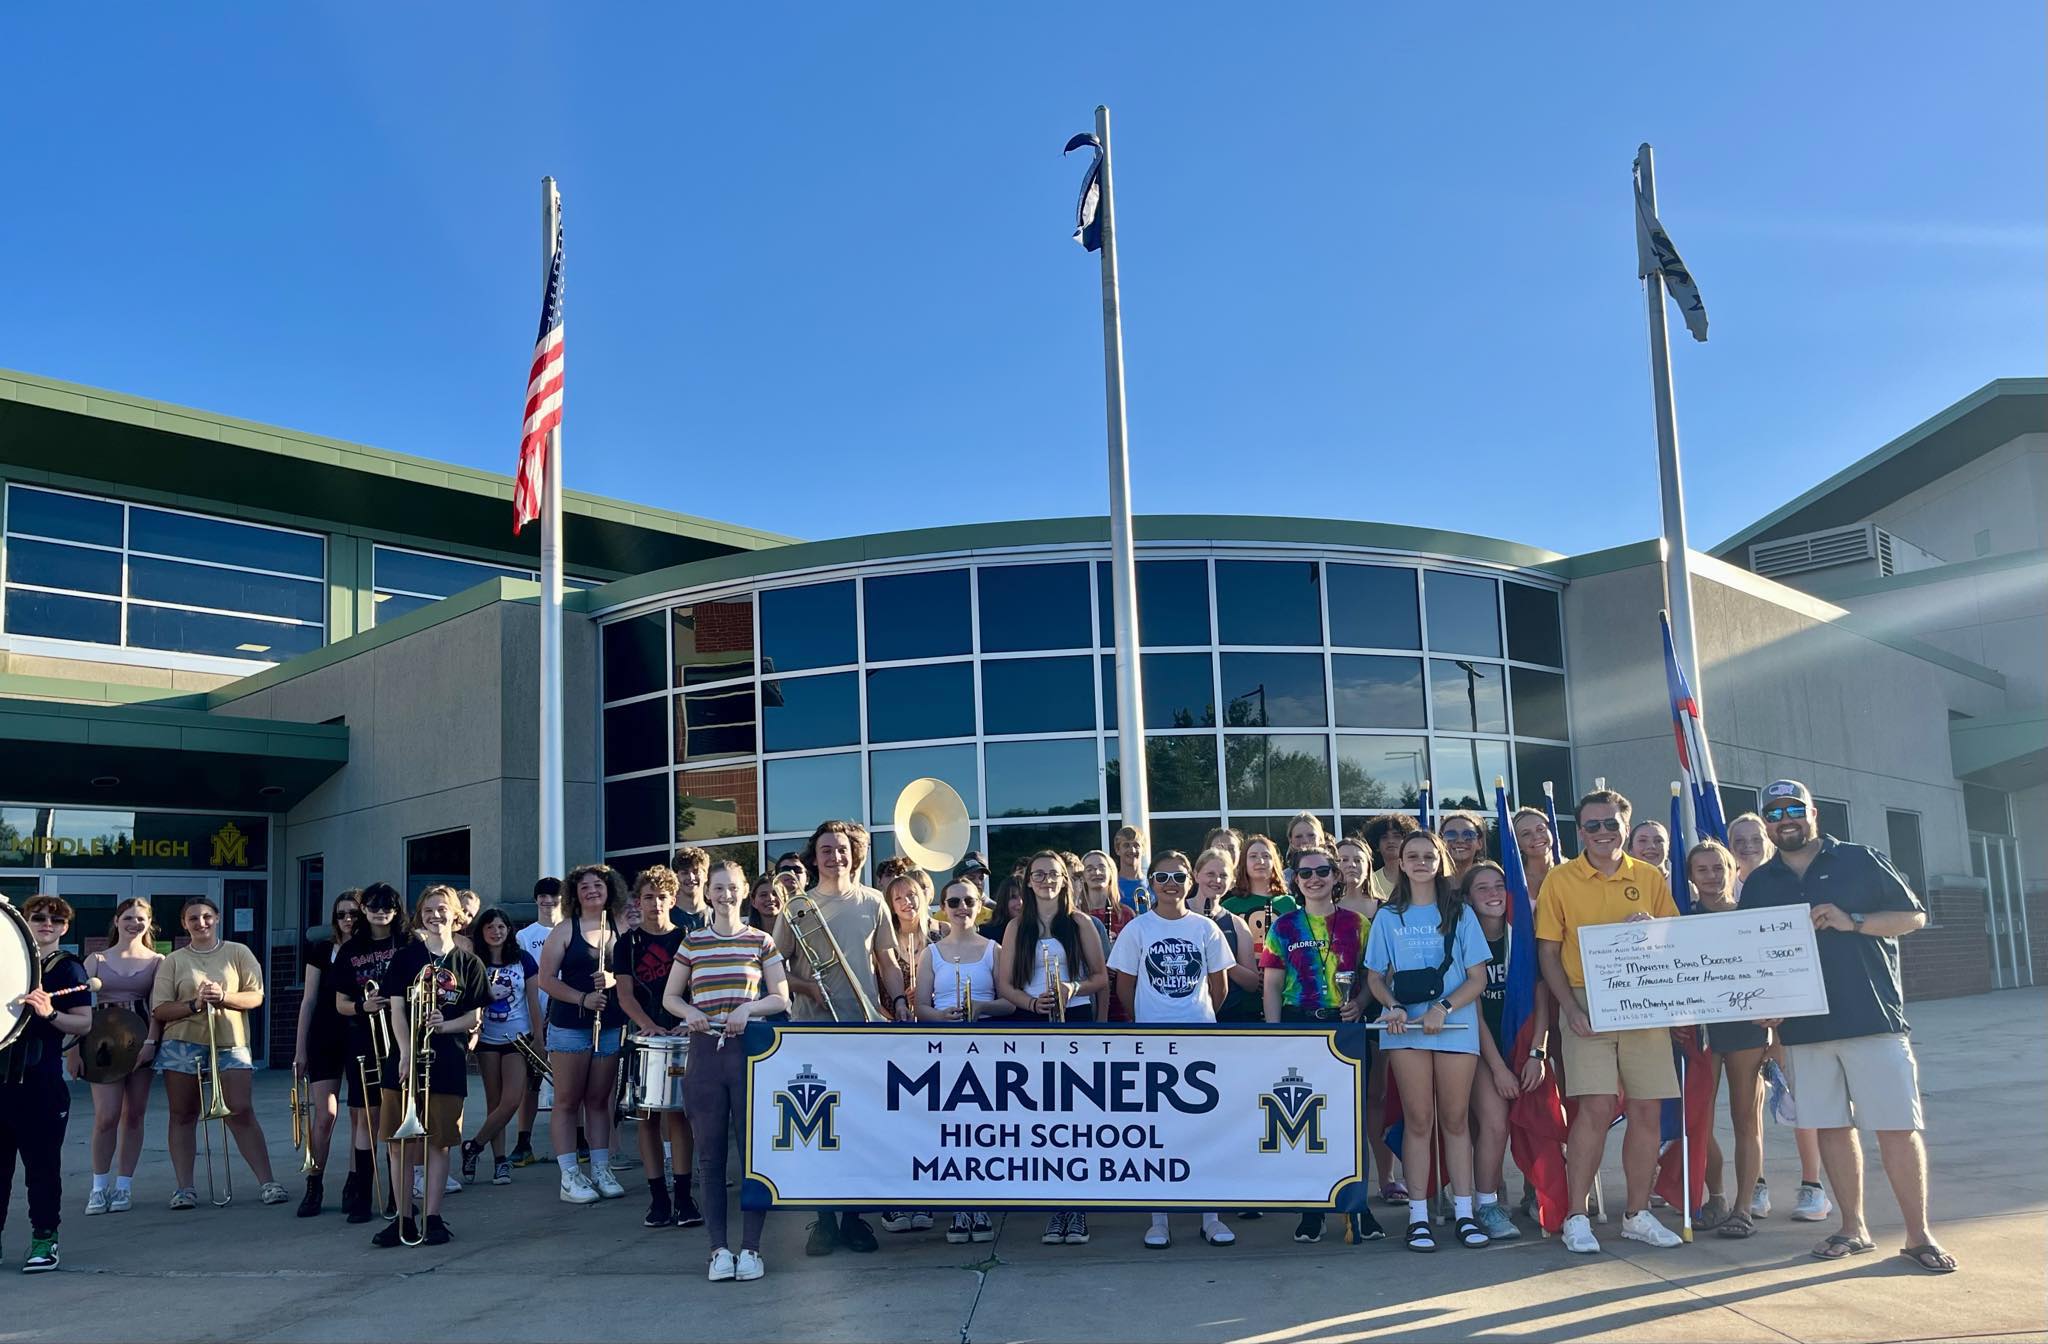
(805,1112)
(1294,1115)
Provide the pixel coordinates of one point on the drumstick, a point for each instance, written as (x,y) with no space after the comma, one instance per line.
(92,982)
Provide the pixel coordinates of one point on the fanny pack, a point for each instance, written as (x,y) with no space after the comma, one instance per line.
(1426,985)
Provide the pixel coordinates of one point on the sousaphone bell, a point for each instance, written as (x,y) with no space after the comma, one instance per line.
(932,827)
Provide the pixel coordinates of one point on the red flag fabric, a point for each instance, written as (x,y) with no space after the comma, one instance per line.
(1699,1125)
(1536,1134)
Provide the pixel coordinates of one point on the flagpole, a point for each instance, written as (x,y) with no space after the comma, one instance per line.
(550,820)
(1130,700)
(1677,567)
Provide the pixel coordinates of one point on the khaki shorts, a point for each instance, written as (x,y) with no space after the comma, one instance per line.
(1867,1082)
(1635,1062)
(443,1118)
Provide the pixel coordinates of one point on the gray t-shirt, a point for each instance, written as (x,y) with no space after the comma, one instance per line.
(860,924)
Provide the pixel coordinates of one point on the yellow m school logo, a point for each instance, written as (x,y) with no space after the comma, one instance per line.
(805,1112)
(1294,1116)
(230,848)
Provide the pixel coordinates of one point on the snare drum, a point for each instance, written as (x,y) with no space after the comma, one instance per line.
(659,1063)
(20,971)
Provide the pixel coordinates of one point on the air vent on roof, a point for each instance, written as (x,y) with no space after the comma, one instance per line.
(1823,550)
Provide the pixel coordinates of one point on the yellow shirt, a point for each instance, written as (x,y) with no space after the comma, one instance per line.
(231,966)
(1380,882)
(1576,894)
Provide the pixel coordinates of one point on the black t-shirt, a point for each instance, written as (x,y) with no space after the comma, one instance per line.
(327,1028)
(39,1050)
(641,962)
(1861,972)
(462,985)
(1494,998)
(360,960)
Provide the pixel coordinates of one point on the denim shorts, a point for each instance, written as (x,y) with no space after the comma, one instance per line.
(187,1056)
(576,1041)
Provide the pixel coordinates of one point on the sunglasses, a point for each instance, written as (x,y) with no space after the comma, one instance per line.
(47,917)
(347,914)
(1319,870)
(1171,879)
(1793,810)
(1602,824)
(961,902)
(1461,833)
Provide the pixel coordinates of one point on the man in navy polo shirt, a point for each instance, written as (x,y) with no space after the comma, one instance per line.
(1852,1065)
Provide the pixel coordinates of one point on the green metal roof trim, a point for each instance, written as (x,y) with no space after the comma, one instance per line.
(2008,751)
(2002,409)
(72,430)
(1917,578)
(25,686)
(982,537)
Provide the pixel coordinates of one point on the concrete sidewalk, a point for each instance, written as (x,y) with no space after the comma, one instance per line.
(526,1267)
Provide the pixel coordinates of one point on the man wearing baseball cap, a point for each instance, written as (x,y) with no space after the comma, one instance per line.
(1852,1065)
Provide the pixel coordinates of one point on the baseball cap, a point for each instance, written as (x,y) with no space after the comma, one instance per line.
(1788,788)
(973,861)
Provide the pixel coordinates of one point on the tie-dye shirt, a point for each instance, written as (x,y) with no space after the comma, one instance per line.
(1312,949)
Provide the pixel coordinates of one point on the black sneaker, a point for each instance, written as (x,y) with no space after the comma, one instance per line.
(388,1235)
(824,1236)
(687,1212)
(1249,1215)
(855,1233)
(470,1151)
(521,1156)
(659,1212)
(1362,1227)
(309,1203)
(355,1198)
(1310,1228)
(437,1231)
(42,1254)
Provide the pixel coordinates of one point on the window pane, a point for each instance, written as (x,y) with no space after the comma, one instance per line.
(1277,771)
(435,575)
(1043,779)
(798,713)
(889,771)
(54,617)
(1534,635)
(710,724)
(1179,690)
(635,657)
(391,606)
(221,636)
(1535,763)
(193,538)
(714,641)
(432,859)
(905,703)
(1030,607)
(805,627)
(1181,833)
(1373,607)
(1173,603)
(1268,602)
(1381,772)
(1736,799)
(1902,834)
(1984,808)
(882,847)
(48,565)
(635,737)
(1463,617)
(1539,704)
(716,804)
(1280,690)
(806,790)
(226,589)
(46,513)
(1009,844)
(1036,695)
(1464,773)
(1468,696)
(636,812)
(1377,692)
(918,616)
(1834,818)
(1180,772)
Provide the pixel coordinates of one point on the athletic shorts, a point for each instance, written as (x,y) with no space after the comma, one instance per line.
(443,1118)
(326,1061)
(1863,1082)
(190,1056)
(494,1048)
(1635,1062)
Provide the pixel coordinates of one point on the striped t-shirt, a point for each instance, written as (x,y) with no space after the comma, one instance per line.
(725,969)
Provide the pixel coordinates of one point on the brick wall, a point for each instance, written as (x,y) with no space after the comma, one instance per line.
(1952,955)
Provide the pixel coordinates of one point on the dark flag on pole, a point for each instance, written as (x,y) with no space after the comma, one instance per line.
(1088,210)
(1654,252)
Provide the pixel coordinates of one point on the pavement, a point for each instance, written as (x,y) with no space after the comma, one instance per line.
(526,1267)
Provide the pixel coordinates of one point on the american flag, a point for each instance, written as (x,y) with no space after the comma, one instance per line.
(543,399)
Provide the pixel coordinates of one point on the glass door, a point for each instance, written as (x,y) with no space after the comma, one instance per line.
(1996,859)
(93,897)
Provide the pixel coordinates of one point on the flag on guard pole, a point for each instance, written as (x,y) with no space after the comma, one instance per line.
(1695,759)
(1654,252)
(543,399)
(1550,815)
(1422,808)
(1536,1125)
(1088,210)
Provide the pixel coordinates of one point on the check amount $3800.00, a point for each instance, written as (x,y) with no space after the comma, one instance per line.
(1739,966)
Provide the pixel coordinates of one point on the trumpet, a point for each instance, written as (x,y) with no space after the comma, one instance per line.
(826,962)
(535,1060)
(216,1109)
(1054,986)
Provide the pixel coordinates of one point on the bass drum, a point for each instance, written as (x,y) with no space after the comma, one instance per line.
(659,1063)
(20,972)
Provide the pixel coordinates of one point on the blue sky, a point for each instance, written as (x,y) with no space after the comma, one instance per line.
(1378,259)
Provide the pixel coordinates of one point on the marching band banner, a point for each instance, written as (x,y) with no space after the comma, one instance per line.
(1055,1115)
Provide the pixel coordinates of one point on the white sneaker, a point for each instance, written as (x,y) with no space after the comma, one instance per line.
(577,1189)
(750,1267)
(1813,1207)
(920,1222)
(453,1187)
(1643,1226)
(1578,1235)
(96,1202)
(607,1184)
(122,1200)
(547,1096)
(419,1184)
(1760,1200)
(721,1266)
(961,1231)
(1156,1236)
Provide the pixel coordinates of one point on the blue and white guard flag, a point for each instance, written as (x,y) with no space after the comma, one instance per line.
(1088,210)
(1695,758)
(1654,252)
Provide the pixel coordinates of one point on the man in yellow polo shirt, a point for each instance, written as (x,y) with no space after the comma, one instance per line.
(1604,885)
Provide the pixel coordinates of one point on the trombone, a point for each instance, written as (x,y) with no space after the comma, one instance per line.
(366,1067)
(801,910)
(216,1109)
(420,996)
(302,1120)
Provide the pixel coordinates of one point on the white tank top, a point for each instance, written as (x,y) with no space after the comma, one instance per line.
(978,977)
(1049,947)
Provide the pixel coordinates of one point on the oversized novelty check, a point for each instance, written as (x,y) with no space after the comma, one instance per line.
(1734,967)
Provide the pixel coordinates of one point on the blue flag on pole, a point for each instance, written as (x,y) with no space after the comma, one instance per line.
(1694,757)
(1422,808)
(1521,986)
(1550,814)
(1674,858)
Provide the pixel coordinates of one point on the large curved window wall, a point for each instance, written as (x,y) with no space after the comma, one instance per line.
(1273,683)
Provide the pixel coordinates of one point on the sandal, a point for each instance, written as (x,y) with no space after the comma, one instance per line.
(1393,1192)
(1931,1258)
(1420,1238)
(1736,1226)
(1471,1234)
(1711,1214)
(1839,1247)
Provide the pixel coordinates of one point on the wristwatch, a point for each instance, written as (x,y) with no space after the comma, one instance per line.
(1538,1052)
(1445,1004)
(1856,920)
